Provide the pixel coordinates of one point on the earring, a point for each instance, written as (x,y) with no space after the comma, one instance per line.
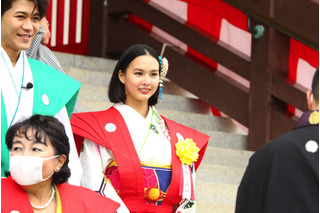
(58,168)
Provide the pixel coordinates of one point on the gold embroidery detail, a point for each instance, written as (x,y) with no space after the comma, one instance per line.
(314,118)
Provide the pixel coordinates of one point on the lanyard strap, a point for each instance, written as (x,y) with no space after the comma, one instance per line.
(19,95)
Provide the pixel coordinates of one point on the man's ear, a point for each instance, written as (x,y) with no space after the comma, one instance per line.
(309,99)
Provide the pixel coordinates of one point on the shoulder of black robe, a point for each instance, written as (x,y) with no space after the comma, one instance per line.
(282,176)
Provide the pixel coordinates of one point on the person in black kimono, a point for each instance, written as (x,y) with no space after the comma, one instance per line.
(283,175)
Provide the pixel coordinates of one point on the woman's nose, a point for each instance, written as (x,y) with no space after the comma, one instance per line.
(146,79)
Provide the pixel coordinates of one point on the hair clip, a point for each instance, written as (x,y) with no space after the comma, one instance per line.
(164,67)
(163,72)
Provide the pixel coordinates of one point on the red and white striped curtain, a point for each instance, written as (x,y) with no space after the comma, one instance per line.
(69,25)
(229,25)
(303,62)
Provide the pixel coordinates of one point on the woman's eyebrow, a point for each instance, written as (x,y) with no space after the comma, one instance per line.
(16,141)
(39,142)
(140,69)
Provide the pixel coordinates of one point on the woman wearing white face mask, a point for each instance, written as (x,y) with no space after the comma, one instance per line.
(39,171)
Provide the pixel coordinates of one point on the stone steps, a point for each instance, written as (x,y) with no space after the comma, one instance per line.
(201,121)
(227,140)
(217,192)
(99,78)
(210,207)
(90,105)
(84,62)
(226,157)
(220,173)
(169,101)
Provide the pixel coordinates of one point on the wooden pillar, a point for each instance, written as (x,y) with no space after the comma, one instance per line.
(97,26)
(269,57)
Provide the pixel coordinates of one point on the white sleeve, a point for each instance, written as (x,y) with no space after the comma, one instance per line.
(74,161)
(94,160)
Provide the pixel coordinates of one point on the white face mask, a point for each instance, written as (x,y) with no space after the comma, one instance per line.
(27,170)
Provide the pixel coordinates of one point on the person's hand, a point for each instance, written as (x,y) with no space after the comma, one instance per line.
(45,25)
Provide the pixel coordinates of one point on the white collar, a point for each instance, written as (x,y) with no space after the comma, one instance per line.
(128,112)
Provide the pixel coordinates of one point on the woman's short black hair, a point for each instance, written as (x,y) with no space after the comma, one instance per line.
(117,92)
(44,128)
(42,6)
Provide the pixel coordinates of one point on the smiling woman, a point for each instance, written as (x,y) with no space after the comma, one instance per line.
(132,146)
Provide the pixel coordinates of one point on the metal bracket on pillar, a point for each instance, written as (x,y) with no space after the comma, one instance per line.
(164,45)
(257,31)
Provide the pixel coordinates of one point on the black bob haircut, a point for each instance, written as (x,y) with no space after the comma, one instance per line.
(44,128)
(117,92)
(42,6)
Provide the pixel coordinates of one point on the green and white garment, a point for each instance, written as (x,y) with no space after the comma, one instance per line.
(53,93)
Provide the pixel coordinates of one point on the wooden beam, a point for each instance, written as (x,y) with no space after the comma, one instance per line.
(294,95)
(199,41)
(123,34)
(300,15)
(208,86)
(276,15)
